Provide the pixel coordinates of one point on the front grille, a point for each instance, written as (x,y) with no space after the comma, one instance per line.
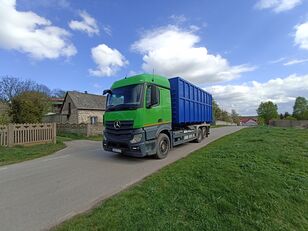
(117,145)
(124,125)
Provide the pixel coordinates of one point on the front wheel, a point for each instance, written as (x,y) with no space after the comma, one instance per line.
(163,146)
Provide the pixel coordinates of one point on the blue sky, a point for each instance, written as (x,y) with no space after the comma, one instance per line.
(243,52)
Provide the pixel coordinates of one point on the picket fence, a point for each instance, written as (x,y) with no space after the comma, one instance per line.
(27,134)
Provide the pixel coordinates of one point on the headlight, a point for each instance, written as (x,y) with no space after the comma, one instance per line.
(136,139)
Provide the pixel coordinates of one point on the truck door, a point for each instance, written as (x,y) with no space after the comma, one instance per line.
(154,114)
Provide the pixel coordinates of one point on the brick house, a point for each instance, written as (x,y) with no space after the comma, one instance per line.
(80,108)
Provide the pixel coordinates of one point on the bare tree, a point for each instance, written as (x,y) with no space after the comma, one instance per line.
(12,86)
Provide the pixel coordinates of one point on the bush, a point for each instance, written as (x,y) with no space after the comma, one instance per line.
(5,118)
(290,118)
(29,107)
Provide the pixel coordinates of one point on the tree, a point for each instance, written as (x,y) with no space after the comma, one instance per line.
(216,110)
(29,107)
(235,117)
(11,87)
(267,111)
(286,114)
(260,121)
(5,118)
(300,108)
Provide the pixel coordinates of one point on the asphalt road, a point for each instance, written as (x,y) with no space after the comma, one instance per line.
(38,194)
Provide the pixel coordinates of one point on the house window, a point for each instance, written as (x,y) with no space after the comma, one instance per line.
(93,119)
(69,108)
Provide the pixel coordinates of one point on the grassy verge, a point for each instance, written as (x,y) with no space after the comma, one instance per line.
(20,153)
(256,179)
(74,136)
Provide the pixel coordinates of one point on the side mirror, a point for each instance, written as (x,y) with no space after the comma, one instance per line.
(108,91)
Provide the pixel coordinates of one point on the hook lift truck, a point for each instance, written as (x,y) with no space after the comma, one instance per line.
(149,114)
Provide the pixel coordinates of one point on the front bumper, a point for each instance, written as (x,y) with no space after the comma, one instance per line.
(141,149)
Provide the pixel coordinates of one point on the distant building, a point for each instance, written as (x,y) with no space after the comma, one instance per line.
(56,104)
(248,121)
(80,108)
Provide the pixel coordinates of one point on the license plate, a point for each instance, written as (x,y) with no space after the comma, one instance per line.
(117,150)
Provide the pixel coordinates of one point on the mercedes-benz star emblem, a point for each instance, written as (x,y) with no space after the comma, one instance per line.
(117,124)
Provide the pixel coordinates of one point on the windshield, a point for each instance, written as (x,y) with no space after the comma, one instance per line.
(128,97)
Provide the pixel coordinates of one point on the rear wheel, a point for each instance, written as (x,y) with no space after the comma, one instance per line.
(163,146)
(204,132)
(199,135)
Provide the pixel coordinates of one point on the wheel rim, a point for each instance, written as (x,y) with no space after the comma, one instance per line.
(163,146)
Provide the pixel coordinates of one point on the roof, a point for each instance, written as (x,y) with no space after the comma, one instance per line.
(87,101)
(245,120)
(56,101)
(143,78)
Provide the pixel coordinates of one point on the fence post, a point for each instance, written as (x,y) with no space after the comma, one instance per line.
(10,135)
(54,131)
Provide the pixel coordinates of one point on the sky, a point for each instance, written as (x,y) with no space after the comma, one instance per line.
(242,52)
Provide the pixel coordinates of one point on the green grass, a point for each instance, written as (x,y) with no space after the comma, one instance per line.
(255,179)
(75,136)
(20,153)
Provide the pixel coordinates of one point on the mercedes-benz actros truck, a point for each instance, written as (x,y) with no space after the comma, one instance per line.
(149,114)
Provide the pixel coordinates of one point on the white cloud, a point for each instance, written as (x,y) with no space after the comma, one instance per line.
(279,60)
(301,35)
(108,60)
(87,24)
(246,97)
(32,34)
(172,51)
(278,5)
(295,61)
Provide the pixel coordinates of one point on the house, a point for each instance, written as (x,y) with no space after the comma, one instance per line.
(248,121)
(80,108)
(56,104)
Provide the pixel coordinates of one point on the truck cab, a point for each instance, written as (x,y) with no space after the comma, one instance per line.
(138,109)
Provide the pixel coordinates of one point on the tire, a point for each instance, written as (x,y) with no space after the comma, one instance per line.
(199,136)
(162,146)
(204,132)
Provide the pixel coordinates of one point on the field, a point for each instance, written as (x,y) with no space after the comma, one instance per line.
(255,179)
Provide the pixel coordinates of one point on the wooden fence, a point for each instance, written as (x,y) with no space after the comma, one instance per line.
(27,134)
(85,129)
